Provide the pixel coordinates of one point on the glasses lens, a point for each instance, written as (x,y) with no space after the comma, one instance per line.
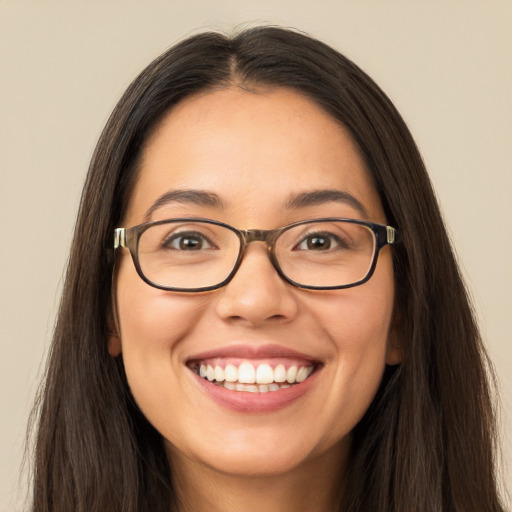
(187,255)
(326,254)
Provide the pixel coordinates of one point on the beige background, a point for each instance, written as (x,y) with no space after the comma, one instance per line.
(446,64)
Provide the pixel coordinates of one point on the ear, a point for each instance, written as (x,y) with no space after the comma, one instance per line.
(114,344)
(394,351)
(113,329)
(113,334)
(113,338)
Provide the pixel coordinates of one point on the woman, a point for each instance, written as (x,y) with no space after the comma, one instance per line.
(262,309)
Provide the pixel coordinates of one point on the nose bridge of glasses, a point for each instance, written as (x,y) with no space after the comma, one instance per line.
(266,236)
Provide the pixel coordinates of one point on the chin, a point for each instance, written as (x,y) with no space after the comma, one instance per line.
(257,455)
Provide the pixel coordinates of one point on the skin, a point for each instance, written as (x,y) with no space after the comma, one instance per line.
(254,149)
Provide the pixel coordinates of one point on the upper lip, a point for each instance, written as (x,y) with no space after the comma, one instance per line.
(251,351)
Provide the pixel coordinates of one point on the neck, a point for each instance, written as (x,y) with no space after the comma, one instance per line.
(315,486)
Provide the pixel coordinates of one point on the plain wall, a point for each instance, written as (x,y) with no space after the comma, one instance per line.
(446,64)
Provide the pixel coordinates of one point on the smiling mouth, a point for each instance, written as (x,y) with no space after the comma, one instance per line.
(252,377)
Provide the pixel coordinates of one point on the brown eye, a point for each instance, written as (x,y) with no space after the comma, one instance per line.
(188,242)
(319,242)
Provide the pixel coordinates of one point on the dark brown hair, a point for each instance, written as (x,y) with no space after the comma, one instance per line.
(427,441)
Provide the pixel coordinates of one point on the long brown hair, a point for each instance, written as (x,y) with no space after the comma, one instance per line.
(427,441)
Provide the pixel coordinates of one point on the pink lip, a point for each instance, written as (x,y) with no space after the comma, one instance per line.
(246,402)
(246,351)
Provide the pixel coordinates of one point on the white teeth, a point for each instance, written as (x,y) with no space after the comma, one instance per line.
(264,374)
(291,374)
(302,374)
(262,378)
(219,374)
(246,373)
(252,388)
(210,373)
(280,373)
(231,373)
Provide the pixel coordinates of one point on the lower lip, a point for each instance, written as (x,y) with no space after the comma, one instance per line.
(247,402)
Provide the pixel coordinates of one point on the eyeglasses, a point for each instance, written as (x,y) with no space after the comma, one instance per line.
(195,255)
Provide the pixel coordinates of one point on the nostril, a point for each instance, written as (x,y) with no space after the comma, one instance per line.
(257,293)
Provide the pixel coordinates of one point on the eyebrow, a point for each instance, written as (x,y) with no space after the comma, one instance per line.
(212,200)
(319,197)
(195,197)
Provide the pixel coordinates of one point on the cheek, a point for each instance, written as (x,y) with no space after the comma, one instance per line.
(358,320)
(357,325)
(153,324)
(151,316)
(360,340)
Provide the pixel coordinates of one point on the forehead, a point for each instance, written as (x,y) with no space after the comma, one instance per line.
(253,149)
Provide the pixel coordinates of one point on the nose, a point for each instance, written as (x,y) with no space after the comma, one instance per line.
(257,294)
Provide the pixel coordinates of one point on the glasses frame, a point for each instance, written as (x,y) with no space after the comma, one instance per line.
(129,238)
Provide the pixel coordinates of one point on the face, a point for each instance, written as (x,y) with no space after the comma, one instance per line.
(255,151)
